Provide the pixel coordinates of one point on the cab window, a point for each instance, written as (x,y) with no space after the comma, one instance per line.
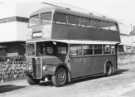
(76,50)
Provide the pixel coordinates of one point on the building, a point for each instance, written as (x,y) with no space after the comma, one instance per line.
(14,27)
(127,43)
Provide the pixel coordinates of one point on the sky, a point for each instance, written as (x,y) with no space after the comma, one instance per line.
(120,10)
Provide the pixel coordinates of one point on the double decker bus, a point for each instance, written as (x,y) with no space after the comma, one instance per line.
(66,45)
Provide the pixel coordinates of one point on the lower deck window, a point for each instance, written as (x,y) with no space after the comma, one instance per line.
(98,49)
(87,49)
(107,49)
(92,49)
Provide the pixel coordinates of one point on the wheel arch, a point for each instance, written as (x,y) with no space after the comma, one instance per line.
(67,70)
(107,62)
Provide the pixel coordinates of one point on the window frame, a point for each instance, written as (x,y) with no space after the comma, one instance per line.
(102,48)
(83,50)
(50,21)
(70,18)
(78,46)
(82,24)
(99,47)
(110,48)
(71,23)
(56,20)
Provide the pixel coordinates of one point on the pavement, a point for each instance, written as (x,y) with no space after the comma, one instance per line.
(121,84)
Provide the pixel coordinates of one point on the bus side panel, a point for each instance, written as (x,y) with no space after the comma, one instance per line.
(64,31)
(96,64)
(92,65)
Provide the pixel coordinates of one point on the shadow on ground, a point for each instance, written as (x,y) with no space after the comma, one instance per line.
(8,88)
(120,71)
(82,79)
(46,83)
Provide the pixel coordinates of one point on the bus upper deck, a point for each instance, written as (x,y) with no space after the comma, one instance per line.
(56,23)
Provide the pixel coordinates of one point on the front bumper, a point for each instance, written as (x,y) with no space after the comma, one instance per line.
(49,70)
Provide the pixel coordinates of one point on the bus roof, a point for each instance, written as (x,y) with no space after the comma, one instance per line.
(76,13)
(75,41)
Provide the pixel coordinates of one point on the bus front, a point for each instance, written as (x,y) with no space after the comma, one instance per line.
(43,59)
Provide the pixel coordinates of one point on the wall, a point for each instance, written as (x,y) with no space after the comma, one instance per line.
(22,31)
(128,42)
(13,31)
(8,31)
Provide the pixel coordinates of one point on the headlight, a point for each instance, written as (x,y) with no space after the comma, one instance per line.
(44,67)
(30,67)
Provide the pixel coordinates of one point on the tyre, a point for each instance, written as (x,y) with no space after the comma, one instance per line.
(60,77)
(109,69)
(32,81)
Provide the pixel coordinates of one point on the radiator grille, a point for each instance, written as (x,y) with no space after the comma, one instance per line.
(37,68)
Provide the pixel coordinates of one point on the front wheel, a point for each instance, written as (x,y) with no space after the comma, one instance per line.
(60,77)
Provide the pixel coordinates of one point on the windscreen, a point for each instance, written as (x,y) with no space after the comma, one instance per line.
(34,20)
(46,18)
(40,19)
(51,49)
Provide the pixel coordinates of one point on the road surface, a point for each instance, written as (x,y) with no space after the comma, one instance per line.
(121,84)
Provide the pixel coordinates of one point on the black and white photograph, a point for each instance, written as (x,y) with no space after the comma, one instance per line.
(67,48)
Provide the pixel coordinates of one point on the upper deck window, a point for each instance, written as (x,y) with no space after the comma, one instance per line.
(46,18)
(84,21)
(73,20)
(34,20)
(76,20)
(103,24)
(60,18)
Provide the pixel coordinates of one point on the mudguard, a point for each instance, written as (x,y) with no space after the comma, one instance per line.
(50,69)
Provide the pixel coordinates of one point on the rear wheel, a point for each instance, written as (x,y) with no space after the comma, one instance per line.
(60,77)
(109,69)
(32,81)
